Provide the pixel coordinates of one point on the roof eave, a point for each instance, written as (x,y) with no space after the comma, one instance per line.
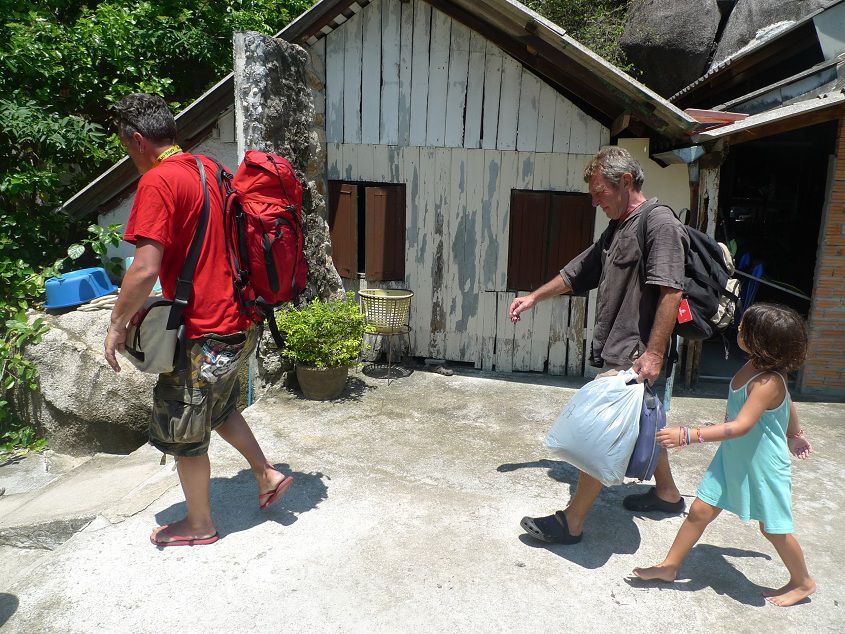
(784,119)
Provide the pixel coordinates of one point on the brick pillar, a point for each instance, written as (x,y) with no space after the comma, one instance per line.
(824,371)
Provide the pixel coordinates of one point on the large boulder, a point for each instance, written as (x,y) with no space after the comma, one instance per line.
(81,406)
(670,42)
(757,19)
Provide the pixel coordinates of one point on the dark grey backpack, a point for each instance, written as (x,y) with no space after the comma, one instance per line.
(708,287)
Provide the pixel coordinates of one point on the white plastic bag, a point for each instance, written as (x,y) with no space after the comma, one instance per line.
(597,430)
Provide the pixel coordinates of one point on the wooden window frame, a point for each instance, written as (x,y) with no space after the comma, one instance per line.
(547,230)
(367,223)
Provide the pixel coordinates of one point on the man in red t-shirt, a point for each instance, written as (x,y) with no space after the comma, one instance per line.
(188,403)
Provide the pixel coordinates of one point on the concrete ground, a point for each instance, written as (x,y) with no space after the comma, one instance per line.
(405,517)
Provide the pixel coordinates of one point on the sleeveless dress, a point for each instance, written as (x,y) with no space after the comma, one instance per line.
(751,476)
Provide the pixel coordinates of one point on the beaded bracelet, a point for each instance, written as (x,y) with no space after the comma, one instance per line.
(798,434)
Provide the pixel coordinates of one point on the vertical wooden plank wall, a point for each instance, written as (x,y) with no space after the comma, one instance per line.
(415,97)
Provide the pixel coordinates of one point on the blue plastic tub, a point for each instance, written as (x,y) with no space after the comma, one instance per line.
(77,287)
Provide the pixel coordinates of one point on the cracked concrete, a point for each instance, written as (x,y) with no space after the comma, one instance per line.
(405,517)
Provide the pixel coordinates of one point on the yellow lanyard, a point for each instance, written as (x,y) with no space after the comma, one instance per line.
(173,149)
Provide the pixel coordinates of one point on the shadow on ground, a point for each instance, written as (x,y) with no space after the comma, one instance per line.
(354,390)
(12,459)
(707,566)
(8,606)
(609,529)
(234,501)
(381,370)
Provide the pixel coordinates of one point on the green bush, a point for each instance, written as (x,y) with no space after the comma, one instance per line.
(323,334)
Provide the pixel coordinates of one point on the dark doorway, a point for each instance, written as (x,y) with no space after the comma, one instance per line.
(771,196)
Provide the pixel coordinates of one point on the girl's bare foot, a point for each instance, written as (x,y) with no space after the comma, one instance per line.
(791,594)
(773,592)
(657,573)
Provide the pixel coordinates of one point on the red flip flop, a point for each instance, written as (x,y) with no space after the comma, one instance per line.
(274,495)
(181,540)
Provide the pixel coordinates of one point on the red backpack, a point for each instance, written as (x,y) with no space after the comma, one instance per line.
(264,238)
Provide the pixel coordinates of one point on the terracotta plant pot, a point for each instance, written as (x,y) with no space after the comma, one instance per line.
(321,384)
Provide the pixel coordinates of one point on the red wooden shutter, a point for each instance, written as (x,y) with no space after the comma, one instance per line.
(571,224)
(343,224)
(385,227)
(527,251)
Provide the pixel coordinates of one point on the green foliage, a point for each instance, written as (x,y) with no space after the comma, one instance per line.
(597,24)
(323,334)
(20,440)
(83,59)
(16,371)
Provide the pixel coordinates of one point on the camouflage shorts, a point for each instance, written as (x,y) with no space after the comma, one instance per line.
(188,404)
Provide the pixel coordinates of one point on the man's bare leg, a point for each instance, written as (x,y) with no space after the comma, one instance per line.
(664,482)
(576,512)
(237,433)
(194,475)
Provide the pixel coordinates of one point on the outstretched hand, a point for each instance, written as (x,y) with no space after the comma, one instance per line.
(519,305)
(799,446)
(669,437)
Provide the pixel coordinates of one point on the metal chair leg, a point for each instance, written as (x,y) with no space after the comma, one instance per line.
(389,356)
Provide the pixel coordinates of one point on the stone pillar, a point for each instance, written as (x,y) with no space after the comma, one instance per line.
(274,112)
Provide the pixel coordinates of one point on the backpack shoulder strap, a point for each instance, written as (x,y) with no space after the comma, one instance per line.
(185,281)
(641,231)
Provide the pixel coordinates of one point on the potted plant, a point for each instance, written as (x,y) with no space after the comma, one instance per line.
(323,338)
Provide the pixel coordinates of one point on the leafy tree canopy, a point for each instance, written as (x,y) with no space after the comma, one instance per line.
(598,24)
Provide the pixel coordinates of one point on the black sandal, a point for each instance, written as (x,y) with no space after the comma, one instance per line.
(552,529)
(649,502)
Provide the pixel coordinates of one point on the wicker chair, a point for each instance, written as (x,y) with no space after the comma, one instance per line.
(387,314)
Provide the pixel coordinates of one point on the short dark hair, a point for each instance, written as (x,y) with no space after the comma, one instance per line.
(775,335)
(146,114)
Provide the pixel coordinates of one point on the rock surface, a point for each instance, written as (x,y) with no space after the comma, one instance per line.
(670,42)
(81,405)
(749,16)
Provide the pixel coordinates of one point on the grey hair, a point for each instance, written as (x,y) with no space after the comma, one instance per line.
(146,114)
(611,162)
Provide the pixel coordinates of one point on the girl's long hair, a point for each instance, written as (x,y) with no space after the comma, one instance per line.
(775,335)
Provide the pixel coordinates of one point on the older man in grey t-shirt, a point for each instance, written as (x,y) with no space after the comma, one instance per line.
(634,317)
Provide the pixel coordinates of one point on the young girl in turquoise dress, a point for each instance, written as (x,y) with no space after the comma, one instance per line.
(750,475)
